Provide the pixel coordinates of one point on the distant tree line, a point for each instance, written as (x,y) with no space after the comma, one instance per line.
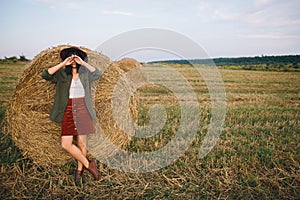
(14,59)
(280,63)
(288,59)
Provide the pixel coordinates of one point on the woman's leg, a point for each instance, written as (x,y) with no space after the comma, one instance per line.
(67,144)
(81,143)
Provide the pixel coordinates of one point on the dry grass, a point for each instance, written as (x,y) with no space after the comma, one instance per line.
(10,74)
(257,156)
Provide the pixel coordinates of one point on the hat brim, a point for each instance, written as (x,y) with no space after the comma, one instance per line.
(72,50)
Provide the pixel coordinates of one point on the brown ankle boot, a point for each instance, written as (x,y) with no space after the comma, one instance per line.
(93,169)
(78,174)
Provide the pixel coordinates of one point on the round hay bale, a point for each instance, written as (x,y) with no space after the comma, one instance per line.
(105,145)
(127,64)
(27,116)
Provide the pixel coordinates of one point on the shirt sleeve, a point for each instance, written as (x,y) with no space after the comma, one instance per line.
(45,75)
(95,75)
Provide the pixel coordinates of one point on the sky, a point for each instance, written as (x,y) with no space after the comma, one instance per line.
(231,28)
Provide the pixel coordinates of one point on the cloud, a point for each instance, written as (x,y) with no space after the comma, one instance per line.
(269,36)
(265,13)
(63,4)
(262,3)
(227,16)
(202,6)
(116,12)
(45,1)
(271,17)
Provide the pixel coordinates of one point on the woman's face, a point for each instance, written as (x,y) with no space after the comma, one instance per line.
(73,64)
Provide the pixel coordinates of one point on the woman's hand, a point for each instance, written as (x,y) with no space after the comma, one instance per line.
(68,60)
(78,60)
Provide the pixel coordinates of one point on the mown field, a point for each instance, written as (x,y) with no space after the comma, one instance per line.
(256,157)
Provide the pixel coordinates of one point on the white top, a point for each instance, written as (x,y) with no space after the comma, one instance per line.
(76,89)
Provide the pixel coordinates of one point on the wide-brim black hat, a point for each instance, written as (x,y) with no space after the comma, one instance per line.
(72,50)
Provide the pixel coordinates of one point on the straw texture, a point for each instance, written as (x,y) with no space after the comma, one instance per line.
(27,116)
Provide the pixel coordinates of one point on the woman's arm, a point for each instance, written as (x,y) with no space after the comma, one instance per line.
(55,68)
(94,74)
(79,61)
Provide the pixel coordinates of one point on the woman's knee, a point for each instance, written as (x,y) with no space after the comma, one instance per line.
(66,143)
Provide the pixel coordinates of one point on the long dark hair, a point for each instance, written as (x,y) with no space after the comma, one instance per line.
(68,68)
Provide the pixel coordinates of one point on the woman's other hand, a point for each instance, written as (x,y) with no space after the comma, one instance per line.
(78,60)
(68,60)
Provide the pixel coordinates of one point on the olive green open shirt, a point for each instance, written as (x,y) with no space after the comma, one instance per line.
(63,83)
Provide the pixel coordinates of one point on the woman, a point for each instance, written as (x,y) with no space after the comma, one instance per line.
(72,105)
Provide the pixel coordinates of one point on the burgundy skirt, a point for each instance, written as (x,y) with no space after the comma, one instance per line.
(77,119)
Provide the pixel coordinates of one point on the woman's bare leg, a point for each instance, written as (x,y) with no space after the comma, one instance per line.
(67,144)
(81,143)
